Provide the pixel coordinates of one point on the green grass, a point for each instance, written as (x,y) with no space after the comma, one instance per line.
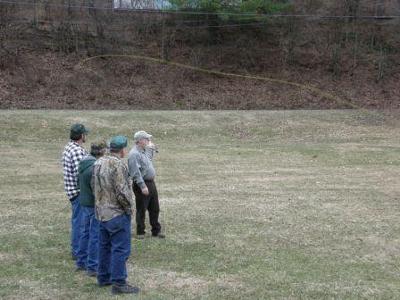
(255,205)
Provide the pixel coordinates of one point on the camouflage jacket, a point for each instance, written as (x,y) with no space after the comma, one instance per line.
(112,188)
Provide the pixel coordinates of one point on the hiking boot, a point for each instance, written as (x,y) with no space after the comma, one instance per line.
(124,289)
(140,236)
(160,236)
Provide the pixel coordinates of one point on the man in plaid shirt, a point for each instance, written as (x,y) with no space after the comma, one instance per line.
(72,155)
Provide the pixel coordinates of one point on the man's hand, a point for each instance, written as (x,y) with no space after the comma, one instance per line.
(145,191)
(152,146)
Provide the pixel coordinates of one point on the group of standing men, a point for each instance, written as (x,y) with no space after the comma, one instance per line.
(100,187)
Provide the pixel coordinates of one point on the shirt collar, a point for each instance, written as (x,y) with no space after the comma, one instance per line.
(140,149)
(115,155)
(75,143)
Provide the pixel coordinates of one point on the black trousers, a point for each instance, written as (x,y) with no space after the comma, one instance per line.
(149,203)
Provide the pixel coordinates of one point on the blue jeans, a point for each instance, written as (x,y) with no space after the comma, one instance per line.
(75,225)
(89,242)
(114,249)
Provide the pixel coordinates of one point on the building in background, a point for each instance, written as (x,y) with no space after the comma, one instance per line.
(142,4)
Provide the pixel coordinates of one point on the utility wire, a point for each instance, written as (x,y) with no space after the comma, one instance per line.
(122,28)
(180,12)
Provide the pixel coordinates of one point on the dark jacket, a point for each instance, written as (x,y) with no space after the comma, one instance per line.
(85,171)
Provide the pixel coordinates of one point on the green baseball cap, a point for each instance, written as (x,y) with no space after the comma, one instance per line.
(79,129)
(118,142)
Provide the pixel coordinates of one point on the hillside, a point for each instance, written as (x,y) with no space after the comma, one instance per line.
(319,63)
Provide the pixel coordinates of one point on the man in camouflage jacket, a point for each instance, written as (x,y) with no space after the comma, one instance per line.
(113,209)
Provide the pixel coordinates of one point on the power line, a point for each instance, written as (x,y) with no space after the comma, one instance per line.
(200,22)
(121,28)
(180,12)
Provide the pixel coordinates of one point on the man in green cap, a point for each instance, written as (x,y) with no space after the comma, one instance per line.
(113,209)
(72,155)
(89,241)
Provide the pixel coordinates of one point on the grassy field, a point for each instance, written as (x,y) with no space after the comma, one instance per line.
(255,205)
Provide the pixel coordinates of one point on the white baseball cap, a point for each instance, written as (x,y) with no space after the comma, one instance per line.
(141,135)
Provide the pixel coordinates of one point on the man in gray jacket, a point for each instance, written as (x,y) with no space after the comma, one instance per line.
(141,169)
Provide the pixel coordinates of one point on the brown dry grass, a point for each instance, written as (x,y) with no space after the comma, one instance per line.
(304,205)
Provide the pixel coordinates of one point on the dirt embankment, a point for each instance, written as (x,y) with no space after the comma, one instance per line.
(317,66)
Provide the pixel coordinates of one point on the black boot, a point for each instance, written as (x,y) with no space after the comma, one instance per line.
(124,289)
